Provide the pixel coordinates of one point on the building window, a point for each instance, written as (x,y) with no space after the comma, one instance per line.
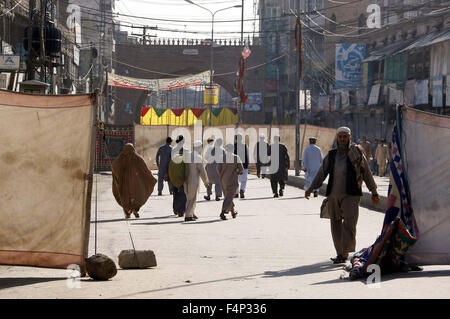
(419,65)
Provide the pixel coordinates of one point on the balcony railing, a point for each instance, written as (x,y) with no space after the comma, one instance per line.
(194,42)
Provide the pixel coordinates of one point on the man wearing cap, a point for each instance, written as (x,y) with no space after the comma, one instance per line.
(365,144)
(179,195)
(312,159)
(211,167)
(347,168)
(162,161)
(194,171)
(382,157)
(261,154)
(241,150)
(229,169)
(281,175)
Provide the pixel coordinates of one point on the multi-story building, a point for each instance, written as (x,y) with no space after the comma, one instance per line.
(14,18)
(406,60)
(97,46)
(359,61)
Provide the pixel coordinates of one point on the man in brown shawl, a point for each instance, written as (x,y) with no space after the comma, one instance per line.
(228,171)
(133,182)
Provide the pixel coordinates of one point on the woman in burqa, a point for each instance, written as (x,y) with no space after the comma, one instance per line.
(133,182)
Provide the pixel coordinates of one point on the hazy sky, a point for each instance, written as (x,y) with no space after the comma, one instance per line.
(181,10)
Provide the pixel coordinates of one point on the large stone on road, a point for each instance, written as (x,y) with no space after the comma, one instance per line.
(131,258)
(100,267)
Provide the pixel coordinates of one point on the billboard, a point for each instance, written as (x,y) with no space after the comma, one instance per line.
(211,94)
(9,62)
(438,97)
(254,102)
(349,59)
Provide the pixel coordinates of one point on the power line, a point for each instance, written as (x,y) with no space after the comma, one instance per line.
(8,11)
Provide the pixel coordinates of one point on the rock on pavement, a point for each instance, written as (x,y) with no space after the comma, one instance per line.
(100,267)
(137,259)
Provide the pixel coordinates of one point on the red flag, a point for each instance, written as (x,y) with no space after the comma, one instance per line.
(246,52)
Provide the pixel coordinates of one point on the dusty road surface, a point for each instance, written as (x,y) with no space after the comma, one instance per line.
(275,248)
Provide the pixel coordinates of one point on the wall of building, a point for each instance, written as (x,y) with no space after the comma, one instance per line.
(169,59)
(149,138)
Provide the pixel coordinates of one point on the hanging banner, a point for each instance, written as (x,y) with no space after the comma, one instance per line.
(254,102)
(447,91)
(395,95)
(349,59)
(44,167)
(9,62)
(421,92)
(437,91)
(158,84)
(211,94)
(410,86)
(374,94)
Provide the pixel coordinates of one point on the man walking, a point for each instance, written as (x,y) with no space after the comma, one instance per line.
(194,171)
(211,167)
(312,159)
(347,168)
(229,170)
(365,144)
(382,157)
(261,154)
(241,150)
(374,161)
(133,182)
(162,161)
(179,196)
(281,175)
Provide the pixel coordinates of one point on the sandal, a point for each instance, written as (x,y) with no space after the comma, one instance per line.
(339,259)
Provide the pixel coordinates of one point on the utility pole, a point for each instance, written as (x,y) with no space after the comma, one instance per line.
(242,24)
(102,55)
(42,59)
(297,98)
(30,54)
(144,33)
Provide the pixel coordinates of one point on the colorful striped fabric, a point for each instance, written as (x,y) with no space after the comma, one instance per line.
(187,117)
(399,230)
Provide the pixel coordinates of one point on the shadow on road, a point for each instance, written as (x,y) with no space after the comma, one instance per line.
(288,198)
(303,270)
(394,276)
(177,221)
(415,274)
(259,198)
(203,222)
(25,281)
(187,285)
(123,219)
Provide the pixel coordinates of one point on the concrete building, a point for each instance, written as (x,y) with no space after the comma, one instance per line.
(410,46)
(419,28)
(14,18)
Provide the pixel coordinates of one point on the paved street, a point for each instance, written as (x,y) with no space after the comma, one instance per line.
(275,248)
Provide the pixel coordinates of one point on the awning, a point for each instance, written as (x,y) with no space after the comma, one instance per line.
(387,50)
(428,40)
